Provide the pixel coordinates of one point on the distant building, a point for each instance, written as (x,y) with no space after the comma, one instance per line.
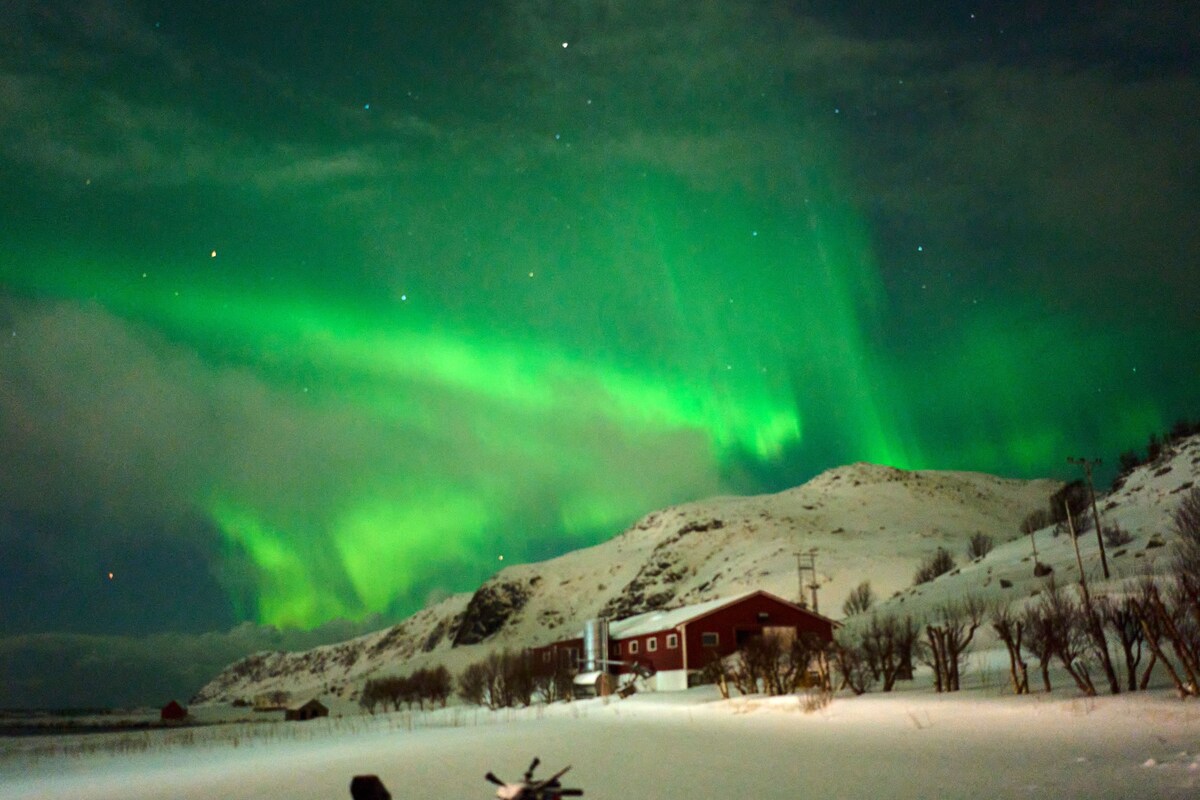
(311,710)
(173,712)
(667,647)
(277,700)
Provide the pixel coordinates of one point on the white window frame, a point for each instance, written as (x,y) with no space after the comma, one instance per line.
(672,641)
(704,639)
(652,644)
(633,647)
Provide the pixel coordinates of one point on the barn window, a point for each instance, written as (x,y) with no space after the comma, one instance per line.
(651,644)
(633,647)
(763,616)
(672,641)
(710,639)
(545,656)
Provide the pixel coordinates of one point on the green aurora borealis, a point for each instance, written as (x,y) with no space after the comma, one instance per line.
(332,310)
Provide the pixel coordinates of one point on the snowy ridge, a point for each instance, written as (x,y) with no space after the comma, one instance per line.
(866,522)
(1142,503)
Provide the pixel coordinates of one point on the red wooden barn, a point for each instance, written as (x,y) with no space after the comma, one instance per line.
(677,643)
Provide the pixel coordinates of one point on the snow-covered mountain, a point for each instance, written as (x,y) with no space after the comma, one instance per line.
(865,522)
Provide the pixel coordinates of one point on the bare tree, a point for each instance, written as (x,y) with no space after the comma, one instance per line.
(1165,624)
(552,679)
(860,600)
(1121,617)
(1066,637)
(473,683)
(1010,627)
(888,644)
(949,637)
(851,662)
(1040,635)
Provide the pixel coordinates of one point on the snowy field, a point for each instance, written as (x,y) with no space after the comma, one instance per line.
(912,744)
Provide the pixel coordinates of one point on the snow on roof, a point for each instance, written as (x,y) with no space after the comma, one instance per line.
(653,621)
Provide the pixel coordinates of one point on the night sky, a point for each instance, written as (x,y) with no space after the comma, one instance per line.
(317,311)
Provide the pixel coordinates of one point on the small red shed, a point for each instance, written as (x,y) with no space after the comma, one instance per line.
(173,712)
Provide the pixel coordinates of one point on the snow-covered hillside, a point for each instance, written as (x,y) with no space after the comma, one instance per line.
(866,522)
(1142,504)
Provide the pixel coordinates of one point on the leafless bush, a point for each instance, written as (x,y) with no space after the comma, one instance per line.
(1116,536)
(716,671)
(939,563)
(1036,520)
(980,545)
(860,600)
(851,663)
(776,664)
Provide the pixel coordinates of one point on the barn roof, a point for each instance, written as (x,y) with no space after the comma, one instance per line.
(311,702)
(653,621)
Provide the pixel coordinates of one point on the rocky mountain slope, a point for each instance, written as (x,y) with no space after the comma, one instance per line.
(865,522)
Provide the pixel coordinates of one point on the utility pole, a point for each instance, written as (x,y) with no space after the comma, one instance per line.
(1087,465)
(800,578)
(811,566)
(811,556)
(1087,600)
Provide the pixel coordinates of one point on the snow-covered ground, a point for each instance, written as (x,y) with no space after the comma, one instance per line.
(909,744)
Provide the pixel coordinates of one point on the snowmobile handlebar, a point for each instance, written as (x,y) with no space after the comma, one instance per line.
(369,787)
(529,789)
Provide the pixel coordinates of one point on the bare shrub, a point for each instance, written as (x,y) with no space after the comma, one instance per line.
(860,600)
(851,663)
(1036,520)
(1069,502)
(1116,536)
(776,665)
(716,671)
(980,545)
(939,563)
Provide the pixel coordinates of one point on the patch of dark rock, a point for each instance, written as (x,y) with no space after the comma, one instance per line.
(490,609)
(440,632)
